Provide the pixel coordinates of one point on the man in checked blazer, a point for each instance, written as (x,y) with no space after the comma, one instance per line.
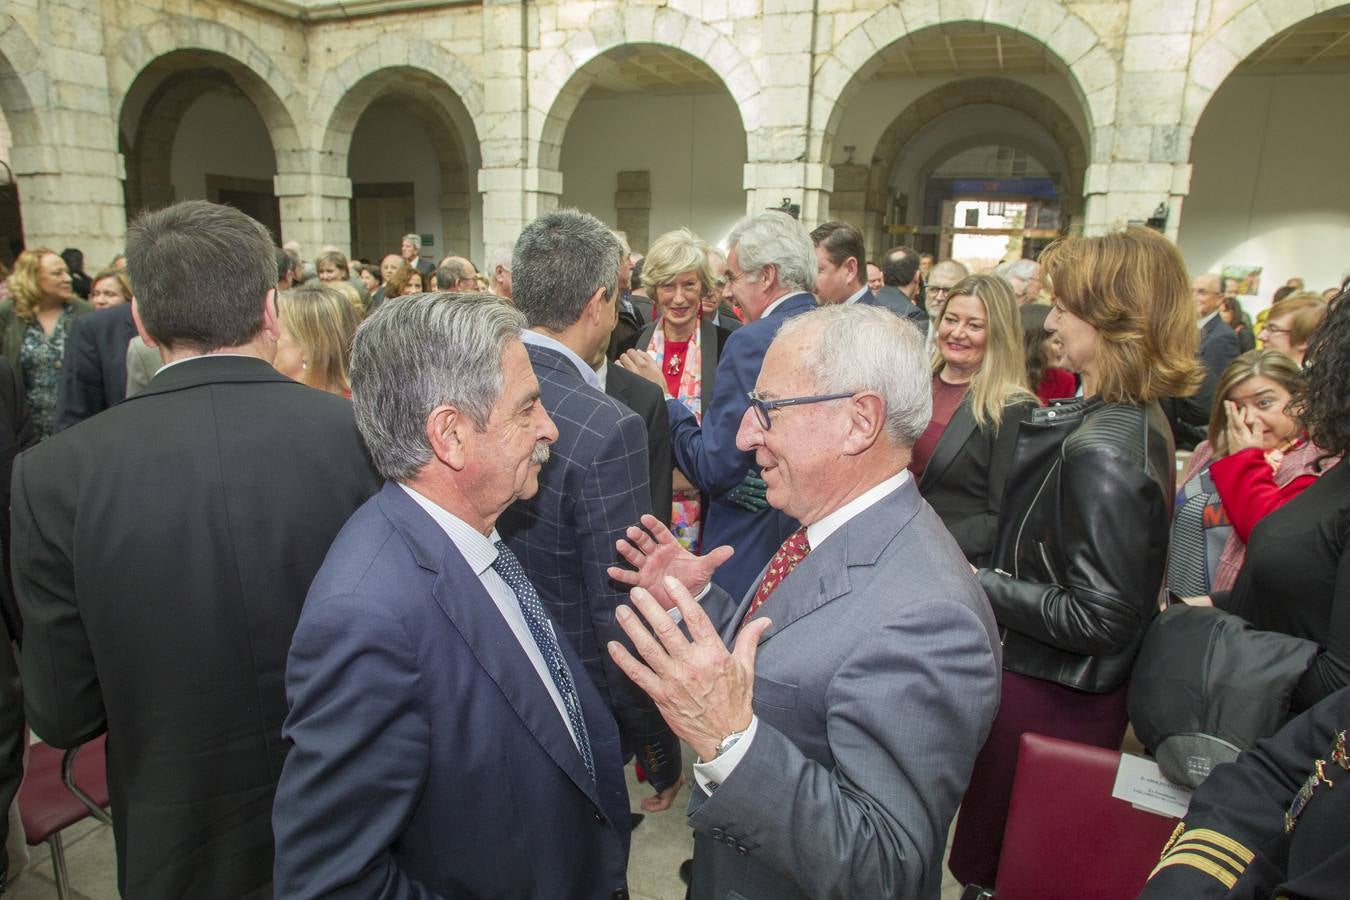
(837,737)
(564,274)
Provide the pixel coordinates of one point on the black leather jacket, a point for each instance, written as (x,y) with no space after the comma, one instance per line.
(1082,546)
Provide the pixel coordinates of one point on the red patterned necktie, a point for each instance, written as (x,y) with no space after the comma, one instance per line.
(793,551)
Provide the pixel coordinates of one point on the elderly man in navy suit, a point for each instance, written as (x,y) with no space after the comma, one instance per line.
(837,736)
(437,714)
(565,279)
(771,267)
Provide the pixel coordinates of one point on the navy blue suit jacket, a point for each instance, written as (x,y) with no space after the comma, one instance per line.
(708,454)
(429,759)
(94,371)
(593,487)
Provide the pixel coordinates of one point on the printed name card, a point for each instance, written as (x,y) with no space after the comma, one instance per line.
(1140,783)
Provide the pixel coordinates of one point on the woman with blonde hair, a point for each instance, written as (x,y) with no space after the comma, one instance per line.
(34,323)
(678,350)
(979,396)
(110,287)
(1257,458)
(315,344)
(1082,543)
(1291,322)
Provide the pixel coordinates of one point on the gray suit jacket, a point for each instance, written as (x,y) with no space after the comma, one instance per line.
(142,364)
(875,689)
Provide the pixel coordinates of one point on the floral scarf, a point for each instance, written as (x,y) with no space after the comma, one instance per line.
(685,512)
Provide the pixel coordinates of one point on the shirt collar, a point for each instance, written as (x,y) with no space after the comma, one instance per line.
(817,532)
(535,339)
(1204,320)
(856,297)
(602,373)
(478,550)
(203,356)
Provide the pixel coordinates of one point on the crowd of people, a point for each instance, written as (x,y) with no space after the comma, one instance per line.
(344,556)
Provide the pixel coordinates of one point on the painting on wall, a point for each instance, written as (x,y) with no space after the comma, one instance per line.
(1245,280)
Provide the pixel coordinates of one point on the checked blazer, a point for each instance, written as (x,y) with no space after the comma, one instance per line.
(592,488)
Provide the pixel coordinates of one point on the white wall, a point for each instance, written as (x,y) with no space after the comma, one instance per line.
(220,134)
(391,145)
(875,107)
(1271,184)
(693,145)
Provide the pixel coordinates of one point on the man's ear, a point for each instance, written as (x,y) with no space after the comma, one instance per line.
(597,308)
(270,326)
(448,434)
(851,268)
(140,326)
(867,419)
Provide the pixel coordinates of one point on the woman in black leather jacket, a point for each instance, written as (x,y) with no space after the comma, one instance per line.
(1082,544)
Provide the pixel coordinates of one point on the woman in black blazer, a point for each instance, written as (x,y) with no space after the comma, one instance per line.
(979,397)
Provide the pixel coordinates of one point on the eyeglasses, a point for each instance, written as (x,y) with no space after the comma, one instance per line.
(733,277)
(763,407)
(1275,329)
(938,290)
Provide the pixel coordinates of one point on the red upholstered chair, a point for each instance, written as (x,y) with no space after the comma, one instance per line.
(1066,836)
(59,789)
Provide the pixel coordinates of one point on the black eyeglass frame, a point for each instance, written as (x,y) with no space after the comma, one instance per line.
(763,407)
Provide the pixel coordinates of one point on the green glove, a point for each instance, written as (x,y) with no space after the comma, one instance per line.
(750,494)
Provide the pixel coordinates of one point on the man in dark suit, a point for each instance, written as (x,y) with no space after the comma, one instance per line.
(564,276)
(16,435)
(162,550)
(717,306)
(771,267)
(1189,416)
(646,399)
(841,265)
(94,371)
(903,286)
(411,249)
(836,738)
(446,740)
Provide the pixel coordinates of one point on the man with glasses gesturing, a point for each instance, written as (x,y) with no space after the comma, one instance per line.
(836,737)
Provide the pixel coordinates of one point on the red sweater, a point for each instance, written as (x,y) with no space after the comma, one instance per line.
(1246,483)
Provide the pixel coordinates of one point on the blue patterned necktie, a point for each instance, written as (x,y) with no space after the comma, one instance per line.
(508,567)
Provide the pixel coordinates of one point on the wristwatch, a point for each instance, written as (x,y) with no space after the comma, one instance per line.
(728,742)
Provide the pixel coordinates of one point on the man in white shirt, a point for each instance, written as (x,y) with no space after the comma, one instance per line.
(837,736)
(437,715)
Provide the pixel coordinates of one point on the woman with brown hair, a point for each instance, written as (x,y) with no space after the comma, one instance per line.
(1230,310)
(1257,458)
(1082,543)
(979,396)
(406,280)
(1291,322)
(34,323)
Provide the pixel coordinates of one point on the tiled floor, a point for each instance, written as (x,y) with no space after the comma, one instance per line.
(660,844)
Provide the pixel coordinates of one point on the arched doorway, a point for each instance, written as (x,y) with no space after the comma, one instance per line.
(648,138)
(949,121)
(1268,187)
(196,124)
(11,219)
(407,143)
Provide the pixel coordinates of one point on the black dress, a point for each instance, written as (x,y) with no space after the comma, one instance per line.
(1296,580)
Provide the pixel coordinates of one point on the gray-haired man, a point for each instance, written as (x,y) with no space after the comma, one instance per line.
(836,738)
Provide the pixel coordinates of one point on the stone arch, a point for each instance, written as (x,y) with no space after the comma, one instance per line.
(393,52)
(1233,41)
(145,58)
(559,79)
(439,104)
(1002,92)
(21,79)
(1089,67)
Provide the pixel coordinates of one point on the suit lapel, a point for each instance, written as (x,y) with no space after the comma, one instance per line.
(466,603)
(954,437)
(823,576)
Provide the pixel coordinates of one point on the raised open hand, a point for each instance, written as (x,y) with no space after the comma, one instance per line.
(655,553)
(1240,434)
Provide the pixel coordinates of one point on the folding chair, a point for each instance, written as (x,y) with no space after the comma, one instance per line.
(60,789)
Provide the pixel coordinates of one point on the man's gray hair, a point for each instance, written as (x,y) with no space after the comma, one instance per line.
(870,348)
(419,352)
(776,239)
(560,261)
(414,239)
(500,256)
(451,272)
(1024,269)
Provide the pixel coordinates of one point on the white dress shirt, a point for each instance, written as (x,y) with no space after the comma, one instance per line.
(712,773)
(856,297)
(479,552)
(535,339)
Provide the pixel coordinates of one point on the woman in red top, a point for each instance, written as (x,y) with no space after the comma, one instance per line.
(1257,459)
(1044,352)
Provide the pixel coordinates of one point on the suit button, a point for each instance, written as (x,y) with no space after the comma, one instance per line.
(717,834)
(729,841)
(620,894)
(740,848)
(599,818)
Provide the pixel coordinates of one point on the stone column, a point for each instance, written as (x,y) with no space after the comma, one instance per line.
(768,184)
(316,209)
(633,208)
(1141,160)
(65,160)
